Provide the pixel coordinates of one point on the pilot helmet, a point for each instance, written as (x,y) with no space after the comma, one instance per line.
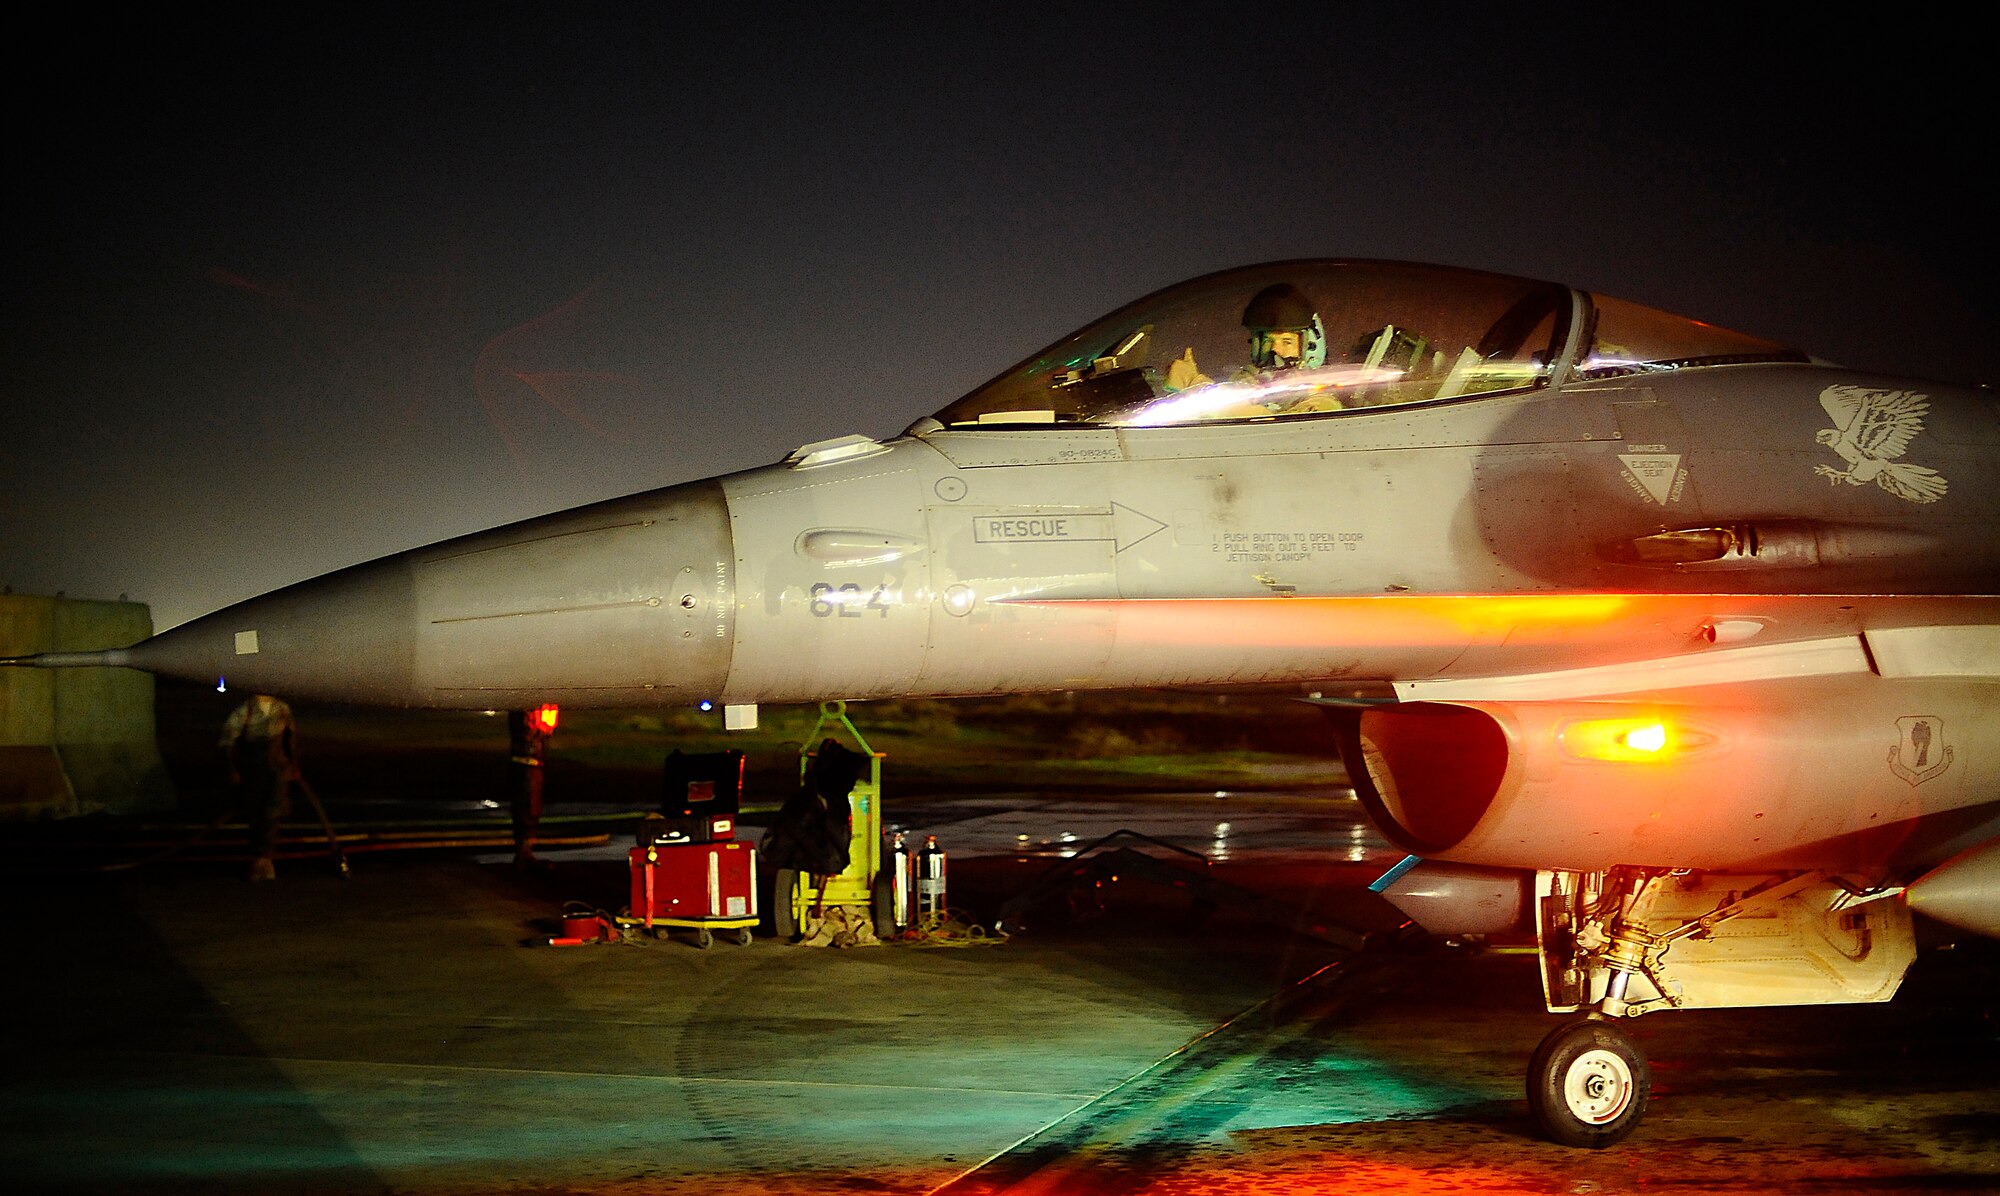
(1278,308)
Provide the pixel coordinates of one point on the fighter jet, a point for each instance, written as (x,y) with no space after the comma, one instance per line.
(1672,646)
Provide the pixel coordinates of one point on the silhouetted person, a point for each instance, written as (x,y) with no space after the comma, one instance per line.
(528,733)
(260,749)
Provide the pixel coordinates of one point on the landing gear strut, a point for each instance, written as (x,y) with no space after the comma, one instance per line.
(1588,1084)
(1588,1081)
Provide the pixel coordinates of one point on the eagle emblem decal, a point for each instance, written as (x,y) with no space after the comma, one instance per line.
(1872,428)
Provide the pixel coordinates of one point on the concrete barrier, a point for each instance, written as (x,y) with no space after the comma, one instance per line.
(76,741)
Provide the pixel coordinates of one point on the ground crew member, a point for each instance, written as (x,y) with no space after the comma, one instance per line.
(260,750)
(528,732)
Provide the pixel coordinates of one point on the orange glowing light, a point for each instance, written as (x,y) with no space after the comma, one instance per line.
(1634,738)
(544,718)
(1649,738)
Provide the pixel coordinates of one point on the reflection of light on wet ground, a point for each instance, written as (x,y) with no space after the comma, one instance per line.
(1323,825)
(1326,826)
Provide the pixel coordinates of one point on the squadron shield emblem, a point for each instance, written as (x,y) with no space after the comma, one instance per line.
(1920,752)
(1871,429)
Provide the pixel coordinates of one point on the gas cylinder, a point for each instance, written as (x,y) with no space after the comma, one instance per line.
(901,867)
(930,883)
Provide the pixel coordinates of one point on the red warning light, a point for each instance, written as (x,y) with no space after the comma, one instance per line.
(544,718)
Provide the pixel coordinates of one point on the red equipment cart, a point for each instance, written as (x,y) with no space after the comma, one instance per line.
(700,886)
(688,870)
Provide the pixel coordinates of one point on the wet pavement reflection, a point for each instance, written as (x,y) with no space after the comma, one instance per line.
(1307,825)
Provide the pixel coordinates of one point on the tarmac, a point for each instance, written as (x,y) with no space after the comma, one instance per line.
(411,1030)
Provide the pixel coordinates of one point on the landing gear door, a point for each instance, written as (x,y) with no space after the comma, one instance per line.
(1565,984)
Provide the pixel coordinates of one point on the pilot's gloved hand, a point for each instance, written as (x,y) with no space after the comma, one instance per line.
(1184,373)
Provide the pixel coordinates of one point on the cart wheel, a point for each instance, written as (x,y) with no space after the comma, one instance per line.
(661,932)
(743,936)
(703,939)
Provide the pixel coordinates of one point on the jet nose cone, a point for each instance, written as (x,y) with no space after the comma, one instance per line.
(346,636)
(625,603)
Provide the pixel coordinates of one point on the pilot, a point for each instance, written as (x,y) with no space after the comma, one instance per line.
(1285,331)
(1285,334)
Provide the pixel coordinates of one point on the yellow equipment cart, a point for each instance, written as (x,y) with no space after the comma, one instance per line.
(854,887)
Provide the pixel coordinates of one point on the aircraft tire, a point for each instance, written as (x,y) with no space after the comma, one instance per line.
(784,924)
(1588,1084)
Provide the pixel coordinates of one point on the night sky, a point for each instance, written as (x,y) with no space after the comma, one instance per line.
(312,285)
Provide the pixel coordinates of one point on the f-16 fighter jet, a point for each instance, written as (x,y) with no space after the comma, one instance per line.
(1672,646)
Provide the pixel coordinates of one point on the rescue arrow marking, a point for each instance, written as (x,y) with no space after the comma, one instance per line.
(1121,525)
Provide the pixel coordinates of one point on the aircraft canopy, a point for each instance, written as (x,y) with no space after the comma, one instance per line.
(1364,334)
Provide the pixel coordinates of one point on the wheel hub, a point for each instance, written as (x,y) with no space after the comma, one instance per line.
(1598,1087)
